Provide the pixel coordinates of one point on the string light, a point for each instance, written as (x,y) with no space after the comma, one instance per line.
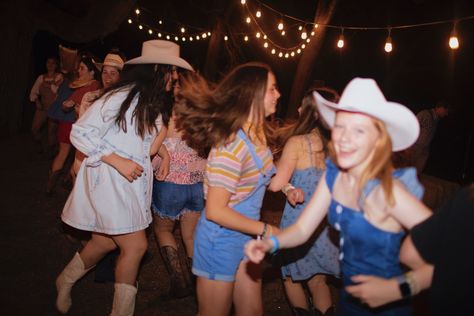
(243,2)
(129,21)
(304,35)
(453,39)
(258,14)
(150,32)
(160,22)
(388,43)
(273,51)
(257,35)
(140,27)
(159,35)
(183,30)
(167,37)
(226,38)
(340,41)
(283,33)
(280,26)
(248,20)
(246,38)
(137,11)
(300,28)
(265,45)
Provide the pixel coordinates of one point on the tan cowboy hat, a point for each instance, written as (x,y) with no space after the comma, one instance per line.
(113,60)
(160,52)
(364,96)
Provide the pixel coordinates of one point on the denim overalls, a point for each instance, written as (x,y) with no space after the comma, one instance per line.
(218,251)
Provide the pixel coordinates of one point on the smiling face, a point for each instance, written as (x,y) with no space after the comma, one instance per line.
(271,95)
(110,75)
(354,137)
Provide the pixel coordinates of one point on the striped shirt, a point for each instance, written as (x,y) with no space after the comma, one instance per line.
(232,167)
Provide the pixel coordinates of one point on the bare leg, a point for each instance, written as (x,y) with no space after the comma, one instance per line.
(61,157)
(132,248)
(214,297)
(163,229)
(248,289)
(188,223)
(320,292)
(96,249)
(39,119)
(295,293)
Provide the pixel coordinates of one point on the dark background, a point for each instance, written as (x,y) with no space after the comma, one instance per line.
(420,70)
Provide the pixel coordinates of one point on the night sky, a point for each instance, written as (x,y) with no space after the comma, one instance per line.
(419,71)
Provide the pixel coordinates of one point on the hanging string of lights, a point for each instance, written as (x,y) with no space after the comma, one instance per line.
(271,39)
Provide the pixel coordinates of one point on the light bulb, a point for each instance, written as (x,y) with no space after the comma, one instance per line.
(340,41)
(208,33)
(298,51)
(176,38)
(280,26)
(140,27)
(265,37)
(243,2)
(150,32)
(160,22)
(246,38)
(226,38)
(258,14)
(388,45)
(248,20)
(190,38)
(283,33)
(304,35)
(273,51)
(453,42)
(257,35)
(308,40)
(300,28)
(129,21)
(197,38)
(183,30)
(292,54)
(265,45)
(183,39)
(167,37)
(137,11)
(159,34)
(204,35)
(287,55)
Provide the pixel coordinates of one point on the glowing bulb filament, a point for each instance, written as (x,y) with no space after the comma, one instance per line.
(453,42)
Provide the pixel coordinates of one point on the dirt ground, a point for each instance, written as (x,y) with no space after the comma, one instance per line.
(35,249)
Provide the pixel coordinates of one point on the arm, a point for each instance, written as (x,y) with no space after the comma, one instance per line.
(301,230)
(285,168)
(164,167)
(407,210)
(34,94)
(218,211)
(376,291)
(156,145)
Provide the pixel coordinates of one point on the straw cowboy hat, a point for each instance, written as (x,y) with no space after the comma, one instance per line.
(113,60)
(160,52)
(364,96)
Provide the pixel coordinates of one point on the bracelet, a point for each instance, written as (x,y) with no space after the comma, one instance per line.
(412,283)
(276,244)
(287,187)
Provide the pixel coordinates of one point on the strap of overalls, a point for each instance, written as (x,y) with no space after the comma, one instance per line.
(252,151)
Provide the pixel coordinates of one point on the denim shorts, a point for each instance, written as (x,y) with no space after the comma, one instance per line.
(218,251)
(171,200)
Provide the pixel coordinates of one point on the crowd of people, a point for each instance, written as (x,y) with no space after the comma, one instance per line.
(156,143)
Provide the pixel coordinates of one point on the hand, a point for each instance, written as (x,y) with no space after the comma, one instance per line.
(295,196)
(68,104)
(374,291)
(128,169)
(255,250)
(163,169)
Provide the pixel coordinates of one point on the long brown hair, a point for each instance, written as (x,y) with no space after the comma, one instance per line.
(308,120)
(148,82)
(208,115)
(380,167)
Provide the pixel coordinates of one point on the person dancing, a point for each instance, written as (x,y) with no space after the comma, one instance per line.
(364,198)
(112,194)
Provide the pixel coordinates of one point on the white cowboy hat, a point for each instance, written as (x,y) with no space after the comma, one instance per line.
(160,52)
(364,96)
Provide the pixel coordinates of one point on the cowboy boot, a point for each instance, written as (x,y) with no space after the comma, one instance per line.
(124,300)
(52,180)
(71,273)
(178,286)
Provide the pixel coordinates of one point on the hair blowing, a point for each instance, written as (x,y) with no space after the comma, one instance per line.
(208,115)
(148,82)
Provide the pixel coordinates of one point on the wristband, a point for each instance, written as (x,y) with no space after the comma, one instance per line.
(404,286)
(276,244)
(287,187)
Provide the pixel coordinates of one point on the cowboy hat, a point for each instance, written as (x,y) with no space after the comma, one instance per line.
(160,52)
(113,60)
(364,96)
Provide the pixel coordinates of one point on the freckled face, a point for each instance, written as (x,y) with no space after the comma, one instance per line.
(271,95)
(354,137)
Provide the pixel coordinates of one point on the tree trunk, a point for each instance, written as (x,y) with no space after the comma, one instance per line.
(306,63)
